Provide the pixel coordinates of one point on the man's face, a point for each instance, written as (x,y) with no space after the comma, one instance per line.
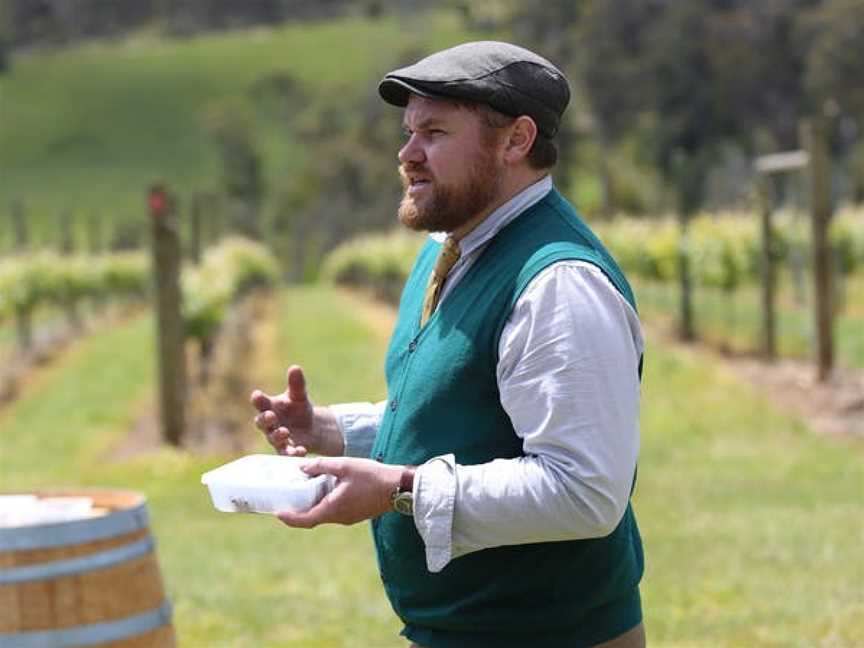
(449,166)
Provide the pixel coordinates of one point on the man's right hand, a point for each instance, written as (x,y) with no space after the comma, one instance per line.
(292,425)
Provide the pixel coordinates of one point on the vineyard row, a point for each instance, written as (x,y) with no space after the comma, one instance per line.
(724,251)
(227,271)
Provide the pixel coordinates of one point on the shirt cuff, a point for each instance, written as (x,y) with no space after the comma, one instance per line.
(434,499)
(359,424)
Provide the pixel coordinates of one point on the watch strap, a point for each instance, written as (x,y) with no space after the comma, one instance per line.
(402,499)
(406,481)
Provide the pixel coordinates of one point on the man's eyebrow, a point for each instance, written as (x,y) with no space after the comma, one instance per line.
(429,122)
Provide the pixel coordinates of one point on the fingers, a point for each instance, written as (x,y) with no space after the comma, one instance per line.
(277,415)
(292,450)
(324,466)
(301,520)
(278,435)
(357,495)
(279,438)
(322,512)
(285,403)
(325,511)
(260,401)
(266,421)
(296,384)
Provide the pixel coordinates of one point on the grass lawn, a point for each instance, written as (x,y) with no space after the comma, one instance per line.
(752,524)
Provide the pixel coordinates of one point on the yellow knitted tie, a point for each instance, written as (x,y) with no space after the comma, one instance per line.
(447,258)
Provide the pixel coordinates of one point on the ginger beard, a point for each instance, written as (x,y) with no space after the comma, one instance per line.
(451,205)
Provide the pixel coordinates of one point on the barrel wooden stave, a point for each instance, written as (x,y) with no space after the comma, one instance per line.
(130,587)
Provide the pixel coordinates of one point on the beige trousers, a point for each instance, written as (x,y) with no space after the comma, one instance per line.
(634,638)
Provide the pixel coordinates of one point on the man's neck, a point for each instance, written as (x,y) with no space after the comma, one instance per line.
(511,186)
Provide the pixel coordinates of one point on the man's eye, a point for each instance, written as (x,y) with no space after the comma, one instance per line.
(436,131)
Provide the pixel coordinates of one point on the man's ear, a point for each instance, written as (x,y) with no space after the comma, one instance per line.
(520,137)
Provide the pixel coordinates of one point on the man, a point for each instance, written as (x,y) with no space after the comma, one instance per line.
(498,472)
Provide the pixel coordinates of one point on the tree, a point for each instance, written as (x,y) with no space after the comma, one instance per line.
(231,122)
(546,27)
(5,35)
(690,78)
(347,183)
(610,39)
(4,54)
(835,58)
(833,79)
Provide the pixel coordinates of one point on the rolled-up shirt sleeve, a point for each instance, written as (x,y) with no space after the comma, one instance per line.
(359,423)
(568,380)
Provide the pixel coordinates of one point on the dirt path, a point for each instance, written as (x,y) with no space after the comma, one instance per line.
(834,407)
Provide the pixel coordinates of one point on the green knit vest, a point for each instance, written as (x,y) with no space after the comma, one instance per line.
(443,398)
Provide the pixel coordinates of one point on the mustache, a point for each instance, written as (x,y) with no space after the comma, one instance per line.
(404,169)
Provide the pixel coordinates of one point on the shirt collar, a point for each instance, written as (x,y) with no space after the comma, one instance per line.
(501,217)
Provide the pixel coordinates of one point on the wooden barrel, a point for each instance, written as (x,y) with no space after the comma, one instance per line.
(92,581)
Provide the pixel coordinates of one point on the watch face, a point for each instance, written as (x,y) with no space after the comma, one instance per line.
(404,503)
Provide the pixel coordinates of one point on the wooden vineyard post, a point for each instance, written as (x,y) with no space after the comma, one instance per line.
(195,228)
(23,320)
(688,328)
(813,132)
(166,255)
(766,166)
(19,224)
(214,208)
(687,171)
(67,248)
(94,233)
(95,246)
(64,230)
(769,343)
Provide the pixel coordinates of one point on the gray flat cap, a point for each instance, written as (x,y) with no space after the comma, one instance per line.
(510,79)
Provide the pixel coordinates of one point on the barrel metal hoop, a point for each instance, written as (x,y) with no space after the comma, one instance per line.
(93,633)
(79,565)
(61,534)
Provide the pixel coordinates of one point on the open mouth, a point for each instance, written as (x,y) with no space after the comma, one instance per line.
(416,183)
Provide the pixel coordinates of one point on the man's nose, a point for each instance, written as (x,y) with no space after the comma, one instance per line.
(411,151)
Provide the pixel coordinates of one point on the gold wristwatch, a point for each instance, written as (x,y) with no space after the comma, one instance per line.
(402,497)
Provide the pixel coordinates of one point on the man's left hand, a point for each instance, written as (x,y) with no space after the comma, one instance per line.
(363,490)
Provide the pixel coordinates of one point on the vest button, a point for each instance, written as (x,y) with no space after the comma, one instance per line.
(393,405)
(412,345)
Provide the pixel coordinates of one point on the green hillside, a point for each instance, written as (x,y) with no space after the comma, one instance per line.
(89,128)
